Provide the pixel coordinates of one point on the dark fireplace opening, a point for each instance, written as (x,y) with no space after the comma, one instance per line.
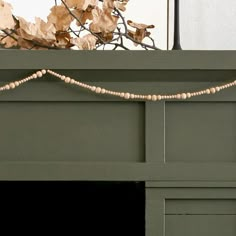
(84,208)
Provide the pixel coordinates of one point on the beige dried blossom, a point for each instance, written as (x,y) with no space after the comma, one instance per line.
(87,42)
(103,22)
(81,4)
(109,5)
(83,16)
(60,17)
(8,41)
(100,21)
(6,19)
(141,31)
(39,31)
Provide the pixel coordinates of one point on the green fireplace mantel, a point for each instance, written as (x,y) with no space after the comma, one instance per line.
(51,130)
(184,151)
(124,66)
(118,60)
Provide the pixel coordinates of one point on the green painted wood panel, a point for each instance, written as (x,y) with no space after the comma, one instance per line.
(130,75)
(72,131)
(184,151)
(200,206)
(200,225)
(147,60)
(190,211)
(200,132)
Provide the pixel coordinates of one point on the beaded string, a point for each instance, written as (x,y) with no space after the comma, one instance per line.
(125,95)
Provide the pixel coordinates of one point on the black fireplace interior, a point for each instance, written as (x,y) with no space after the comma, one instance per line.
(84,208)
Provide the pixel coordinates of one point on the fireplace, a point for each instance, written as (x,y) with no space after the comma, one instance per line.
(84,207)
(121,167)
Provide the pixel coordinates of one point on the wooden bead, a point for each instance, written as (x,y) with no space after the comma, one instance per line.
(149,97)
(213,90)
(127,95)
(103,91)
(39,73)
(17,83)
(178,96)
(12,85)
(108,92)
(7,87)
(217,89)
(62,77)
(159,97)
(122,95)
(34,76)
(72,81)
(154,98)
(183,96)
(93,88)
(43,72)
(132,96)
(98,90)
(67,79)
(188,95)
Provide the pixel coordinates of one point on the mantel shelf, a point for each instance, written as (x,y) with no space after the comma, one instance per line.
(183,150)
(118,60)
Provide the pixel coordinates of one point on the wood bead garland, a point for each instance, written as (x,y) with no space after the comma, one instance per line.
(124,95)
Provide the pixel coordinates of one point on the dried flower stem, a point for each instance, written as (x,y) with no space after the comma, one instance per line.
(144,45)
(81,25)
(108,27)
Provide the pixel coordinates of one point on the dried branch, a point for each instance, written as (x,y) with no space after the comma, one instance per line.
(144,45)
(81,25)
(108,27)
(9,34)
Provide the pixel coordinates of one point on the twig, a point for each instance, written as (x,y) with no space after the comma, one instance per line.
(9,34)
(130,38)
(75,17)
(153,41)
(119,45)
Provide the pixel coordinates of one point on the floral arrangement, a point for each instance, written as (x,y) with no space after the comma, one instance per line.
(75,24)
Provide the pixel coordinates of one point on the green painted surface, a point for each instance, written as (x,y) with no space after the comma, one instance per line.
(203,225)
(200,132)
(200,207)
(72,131)
(184,151)
(65,59)
(190,211)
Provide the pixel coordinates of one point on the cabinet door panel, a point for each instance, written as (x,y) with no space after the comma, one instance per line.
(72,131)
(200,225)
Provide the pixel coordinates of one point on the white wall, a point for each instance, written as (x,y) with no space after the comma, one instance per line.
(205,24)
